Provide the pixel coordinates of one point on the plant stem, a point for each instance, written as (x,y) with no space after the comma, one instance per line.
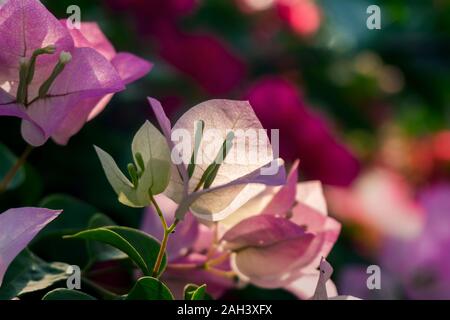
(161,252)
(167,232)
(158,210)
(14,169)
(163,247)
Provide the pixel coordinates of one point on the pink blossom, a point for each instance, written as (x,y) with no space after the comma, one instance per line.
(17,228)
(73,74)
(283,234)
(276,240)
(303,134)
(129,67)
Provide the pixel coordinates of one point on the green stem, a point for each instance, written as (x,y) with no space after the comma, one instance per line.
(161,252)
(158,210)
(14,169)
(167,231)
(163,247)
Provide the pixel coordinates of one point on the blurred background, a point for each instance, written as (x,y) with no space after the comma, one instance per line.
(366,111)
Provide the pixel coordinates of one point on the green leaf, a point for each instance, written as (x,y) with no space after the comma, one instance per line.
(99,251)
(139,246)
(152,147)
(66,294)
(28,273)
(148,288)
(195,292)
(7,161)
(152,157)
(118,181)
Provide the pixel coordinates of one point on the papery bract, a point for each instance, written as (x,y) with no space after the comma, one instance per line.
(83,73)
(129,67)
(237,182)
(281,248)
(17,228)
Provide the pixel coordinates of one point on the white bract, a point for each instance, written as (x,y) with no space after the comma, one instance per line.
(238,178)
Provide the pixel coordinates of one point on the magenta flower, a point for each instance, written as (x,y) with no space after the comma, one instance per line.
(17,228)
(283,234)
(52,78)
(303,134)
(203,57)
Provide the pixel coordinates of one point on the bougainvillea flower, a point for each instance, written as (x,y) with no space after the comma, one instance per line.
(45,74)
(283,234)
(303,135)
(189,245)
(421,264)
(239,176)
(379,201)
(129,67)
(17,228)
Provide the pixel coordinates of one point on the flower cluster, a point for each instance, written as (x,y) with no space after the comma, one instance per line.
(219,207)
(275,240)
